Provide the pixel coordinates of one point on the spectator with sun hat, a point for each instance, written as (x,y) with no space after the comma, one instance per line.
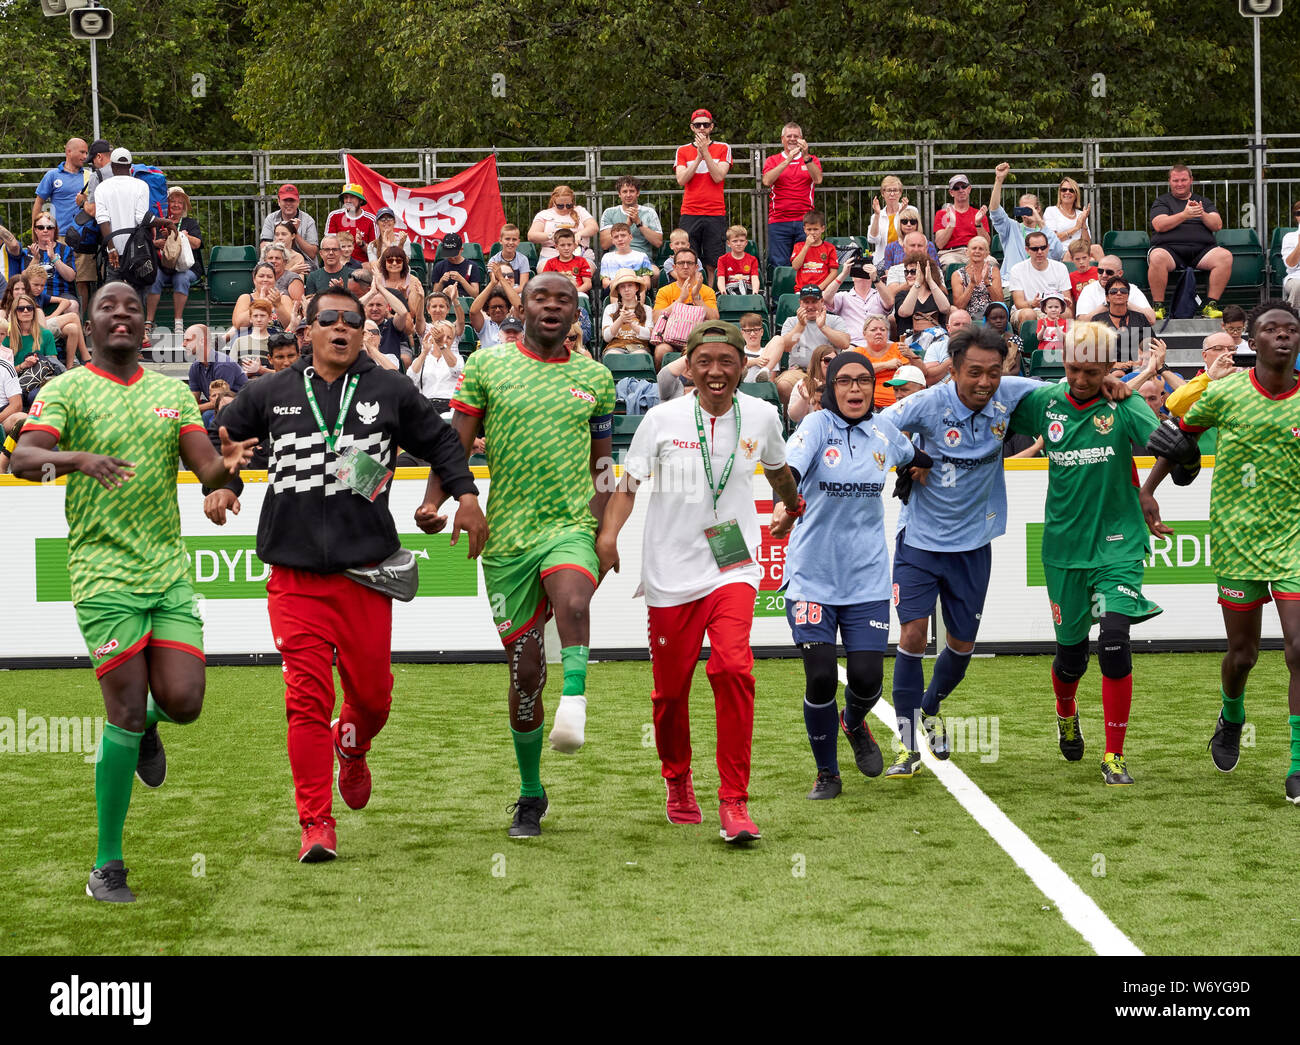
(350,218)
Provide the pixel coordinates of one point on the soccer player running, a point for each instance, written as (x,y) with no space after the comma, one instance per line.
(1254,520)
(1095,534)
(121,431)
(840,457)
(952,516)
(699,565)
(547,413)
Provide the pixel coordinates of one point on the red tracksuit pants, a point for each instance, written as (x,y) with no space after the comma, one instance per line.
(312,615)
(676,639)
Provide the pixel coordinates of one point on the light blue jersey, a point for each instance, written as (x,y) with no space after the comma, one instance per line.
(838,553)
(963,506)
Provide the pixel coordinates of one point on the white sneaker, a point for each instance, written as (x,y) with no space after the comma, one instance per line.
(567,731)
(763,375)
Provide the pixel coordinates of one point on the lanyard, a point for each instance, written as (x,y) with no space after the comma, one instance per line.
(708,457)
(330,437)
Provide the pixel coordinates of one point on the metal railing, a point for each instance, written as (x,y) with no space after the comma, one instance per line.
(231,192)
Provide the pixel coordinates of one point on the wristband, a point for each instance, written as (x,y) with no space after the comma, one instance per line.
(803,507)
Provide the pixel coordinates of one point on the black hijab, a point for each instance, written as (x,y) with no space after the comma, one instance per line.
(829,401)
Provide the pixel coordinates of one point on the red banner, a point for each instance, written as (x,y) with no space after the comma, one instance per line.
(468,204)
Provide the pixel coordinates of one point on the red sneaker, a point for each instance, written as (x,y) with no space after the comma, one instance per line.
(736,825)
(319,842)
(682,807)
(353,775)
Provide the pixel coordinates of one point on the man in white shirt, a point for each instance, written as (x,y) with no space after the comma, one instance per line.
(1291,258)
(121,203)
(1029,280)
(1092,298)
(699,565)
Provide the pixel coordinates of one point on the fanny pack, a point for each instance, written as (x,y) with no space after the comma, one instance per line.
(398,576)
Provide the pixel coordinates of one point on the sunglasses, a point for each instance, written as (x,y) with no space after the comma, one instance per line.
(1064,190)
(1117,290)
(702,126)
(330,250)
(865,381)
(1108,272)
(958,188)
(1039,249)
(280,340)
(329,316)
(44,228)
(570,337)
(909,271)
(24,308)
(372,330)
(908,221)
(564,206)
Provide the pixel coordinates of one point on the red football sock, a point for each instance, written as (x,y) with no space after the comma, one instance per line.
(1116,700)
(1065,705)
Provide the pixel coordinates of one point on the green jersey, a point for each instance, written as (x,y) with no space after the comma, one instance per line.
(1093,515)
(539,417)
(128,538)
(1255,497)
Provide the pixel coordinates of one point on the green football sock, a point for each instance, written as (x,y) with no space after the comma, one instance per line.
(1294,720)
(119,749)
(574,659)
(528,753)
(154,714)
(1234,709)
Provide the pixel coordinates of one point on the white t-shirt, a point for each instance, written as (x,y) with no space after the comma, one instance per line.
(9,384)
(1093,299)
(122,201)
(1058,223)
(1288,244)
(677,566)
(1034,282)
(437,380)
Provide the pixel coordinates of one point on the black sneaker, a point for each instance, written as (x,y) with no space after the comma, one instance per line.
(528,816)
(906,764)
(151,765)
(1293,788)
(1071,737)
(1225,745)
(108,883)
(936,735)
(828,785)
(866,752)
(1114,770)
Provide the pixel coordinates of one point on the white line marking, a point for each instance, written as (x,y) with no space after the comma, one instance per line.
(1078,909)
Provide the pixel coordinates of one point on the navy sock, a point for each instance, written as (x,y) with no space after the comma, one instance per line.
(949,669)
(823,733)
(857,707)
(909,681)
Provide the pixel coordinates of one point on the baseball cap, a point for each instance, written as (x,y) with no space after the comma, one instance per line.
(958,179)
(716,331)
(452,242)
(511,323)
(907,375)
(701,114)
(120,155)
(385,212)
(288,192)
(812,290)
(98,146)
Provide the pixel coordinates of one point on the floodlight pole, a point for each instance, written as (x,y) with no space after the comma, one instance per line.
(94,81)
(1261,207)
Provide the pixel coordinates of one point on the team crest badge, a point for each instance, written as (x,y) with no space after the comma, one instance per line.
(831,456)
(1055,431)
(879,458)
(750,446)
(999,429)
(1294,431)
(1103,423)
(952,437)
(367,412)
(1001,408)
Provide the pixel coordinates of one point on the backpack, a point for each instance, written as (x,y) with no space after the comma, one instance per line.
(157,182)
(1187,302)
(136,262)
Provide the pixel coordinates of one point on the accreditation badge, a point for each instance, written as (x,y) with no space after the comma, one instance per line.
(361,473)
(727,543)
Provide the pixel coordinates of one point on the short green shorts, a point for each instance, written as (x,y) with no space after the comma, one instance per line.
(1080,598)
(1246,595)
(514,584)
(119,624)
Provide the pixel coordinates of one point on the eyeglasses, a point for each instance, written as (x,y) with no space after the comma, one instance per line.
(865,381)
(330,250)
(44,228)
(1038,249)
(1108,272)
(564,206)
(24,308)
(751,330)
(329,316)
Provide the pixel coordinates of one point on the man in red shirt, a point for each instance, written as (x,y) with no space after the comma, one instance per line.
(815,260)
(701,170)
(956,224)
(350,218)
(791,175)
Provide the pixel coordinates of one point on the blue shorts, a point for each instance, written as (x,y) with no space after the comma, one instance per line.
(959,579)
(864,626)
